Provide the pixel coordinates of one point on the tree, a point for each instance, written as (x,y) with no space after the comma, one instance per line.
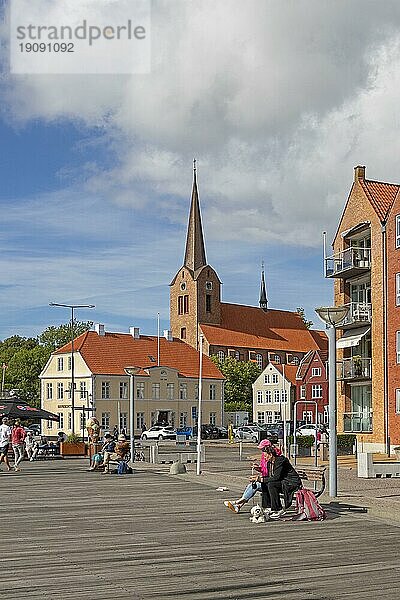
(55,337)
(300,310)
(239,377)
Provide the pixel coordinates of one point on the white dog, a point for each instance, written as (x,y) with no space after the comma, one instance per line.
(257,514)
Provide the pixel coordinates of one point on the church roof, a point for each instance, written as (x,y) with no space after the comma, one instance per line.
(252,327)
(195,253)
(109,354)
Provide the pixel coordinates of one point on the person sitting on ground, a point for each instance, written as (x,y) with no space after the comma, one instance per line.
(282,479)
(254,486)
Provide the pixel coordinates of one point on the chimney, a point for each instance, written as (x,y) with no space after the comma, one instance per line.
(168,335)
(135,332)
(99,329)
(359,173)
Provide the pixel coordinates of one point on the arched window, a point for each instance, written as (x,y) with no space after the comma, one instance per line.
(221,355)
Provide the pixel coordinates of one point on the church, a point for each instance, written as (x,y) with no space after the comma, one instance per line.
(256,333)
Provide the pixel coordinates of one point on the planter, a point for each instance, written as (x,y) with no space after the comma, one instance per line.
(73,449)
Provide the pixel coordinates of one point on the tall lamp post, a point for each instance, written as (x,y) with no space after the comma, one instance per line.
(198,467)
(72,307)
(132,371)
(332,316)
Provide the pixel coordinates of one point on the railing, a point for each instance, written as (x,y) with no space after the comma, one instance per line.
(354,368)
(359,312)
(347,260)
(355,422)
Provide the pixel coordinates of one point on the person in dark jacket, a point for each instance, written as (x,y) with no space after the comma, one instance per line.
(282,479)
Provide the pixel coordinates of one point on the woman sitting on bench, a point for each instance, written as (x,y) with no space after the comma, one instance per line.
(282,479)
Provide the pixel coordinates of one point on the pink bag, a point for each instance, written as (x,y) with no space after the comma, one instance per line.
(307,506)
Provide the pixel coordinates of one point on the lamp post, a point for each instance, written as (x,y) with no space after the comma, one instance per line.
(198,468)
(72,307)
(132,371)
(332,316)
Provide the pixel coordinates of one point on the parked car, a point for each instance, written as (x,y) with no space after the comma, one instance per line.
(248,432)
(187,431)
(208,432)
(222,432)
(309,429)
(158,432)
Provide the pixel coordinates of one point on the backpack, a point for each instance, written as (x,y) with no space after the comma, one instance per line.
(307,506)
(122,468)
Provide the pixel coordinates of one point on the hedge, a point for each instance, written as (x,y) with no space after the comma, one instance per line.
(303,441)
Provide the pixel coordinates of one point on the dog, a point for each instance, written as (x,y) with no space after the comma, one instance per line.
(257,514)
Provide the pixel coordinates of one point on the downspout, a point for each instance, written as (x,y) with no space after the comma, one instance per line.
(385,340)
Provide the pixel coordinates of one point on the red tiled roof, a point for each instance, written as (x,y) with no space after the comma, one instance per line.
(290,372)
(111,353)
(308,359)
(381,195)
(252,327)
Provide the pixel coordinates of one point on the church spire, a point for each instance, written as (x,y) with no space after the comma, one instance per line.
(195,254)
(263,293)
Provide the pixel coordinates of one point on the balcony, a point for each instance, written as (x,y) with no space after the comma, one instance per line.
(354,368)
(359,313)
(354,422)
(348,263)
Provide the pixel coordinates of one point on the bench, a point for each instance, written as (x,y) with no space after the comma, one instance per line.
(314,475)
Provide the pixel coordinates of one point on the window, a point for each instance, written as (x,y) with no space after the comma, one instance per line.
(208,302)
(60,391)
(316,391)
(82,388)
(316,372)
(140,390)
(123,421)
(260,418)
(259,397)
(182,419)
(397,289)
(213,418)
(268,416)
(307,416)
(139,420)
(81,421)
(182,392)
(276,395)
(295,360)
(221,355)
(397,231)
(213,389)
(194,413)
(326,415)
(155,391)
(183,333)
(69,363)
(268,396)
(60,364)
(69,420)
(284,395)
(398,402)
(266,378)
(50,424)
(172,419)
(274,377)
(277,416)
(302,392)
(237,355)
(49,391)
(259,360)
(105,420)
(105,389)
(277,359)
(61,421)
(398,347)
(123,390)
(185,304)
(180,305)
(170,391)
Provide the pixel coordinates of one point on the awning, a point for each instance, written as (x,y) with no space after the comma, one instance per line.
(352,337)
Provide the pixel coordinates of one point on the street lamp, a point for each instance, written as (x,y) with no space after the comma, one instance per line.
(72,307)
(332,316)
(198,468)
(132,371)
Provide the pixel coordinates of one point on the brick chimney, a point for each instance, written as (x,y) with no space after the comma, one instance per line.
(359,173)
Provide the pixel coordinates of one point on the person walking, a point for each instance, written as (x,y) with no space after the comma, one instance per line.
(5,437)
(18,435)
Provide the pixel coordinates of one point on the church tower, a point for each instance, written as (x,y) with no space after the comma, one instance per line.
(195,291)
(263,294)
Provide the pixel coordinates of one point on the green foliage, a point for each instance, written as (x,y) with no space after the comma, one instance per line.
(300,310)
(26,357)
(303,441)
(346,441)
(239,377)
(72,438)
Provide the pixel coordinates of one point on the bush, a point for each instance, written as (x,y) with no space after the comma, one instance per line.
(346,441)
(72,438)
(303,441)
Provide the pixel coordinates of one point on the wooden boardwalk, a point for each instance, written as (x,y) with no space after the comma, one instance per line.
(70,534)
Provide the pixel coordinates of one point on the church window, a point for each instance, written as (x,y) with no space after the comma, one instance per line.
(183,333)
(208,303)
(185,304)
(180,305)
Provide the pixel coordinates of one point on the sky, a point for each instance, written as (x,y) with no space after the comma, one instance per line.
(278,100)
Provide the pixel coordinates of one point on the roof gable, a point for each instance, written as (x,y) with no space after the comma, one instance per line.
(381,196)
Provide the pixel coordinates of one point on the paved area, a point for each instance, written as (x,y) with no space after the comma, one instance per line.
(69,533)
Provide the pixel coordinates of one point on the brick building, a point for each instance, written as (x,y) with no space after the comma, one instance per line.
(366,269)
(256,333)
(312,388)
